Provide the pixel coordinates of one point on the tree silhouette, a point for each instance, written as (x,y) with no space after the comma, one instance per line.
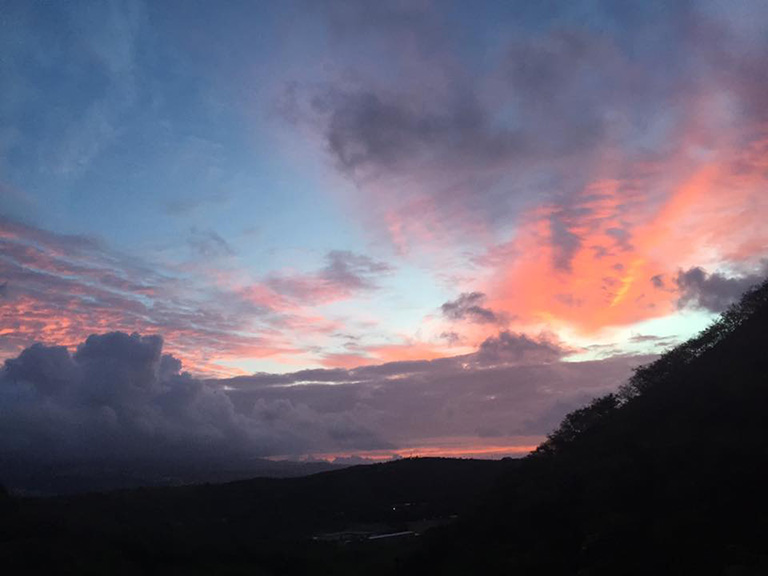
(578,422)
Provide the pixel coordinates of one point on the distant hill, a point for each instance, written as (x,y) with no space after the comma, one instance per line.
(667,477)
(26,478)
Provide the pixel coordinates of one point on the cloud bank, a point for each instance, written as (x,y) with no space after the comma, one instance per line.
(119,399)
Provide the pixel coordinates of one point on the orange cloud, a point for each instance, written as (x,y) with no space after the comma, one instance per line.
(386,353)
(623,235)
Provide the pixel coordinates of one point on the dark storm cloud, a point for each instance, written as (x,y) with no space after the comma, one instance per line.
(118,397)
(714,292)
(468,306)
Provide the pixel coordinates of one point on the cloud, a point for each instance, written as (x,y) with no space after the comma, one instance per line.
(468,306)
(714,292)
(474,148)
(658,340)
(353,270)
(118,398)
(450,337)
(82,119)
(509,348)
(344,274)
(369,133)
(514,385)
(209,244)
(406,21)
(186,206)
(505,351)
(568,149)
(59,288)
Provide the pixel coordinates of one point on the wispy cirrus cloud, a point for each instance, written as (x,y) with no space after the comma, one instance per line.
(57,288)
(344,274)
(60,288)
(78,124)
(209,244)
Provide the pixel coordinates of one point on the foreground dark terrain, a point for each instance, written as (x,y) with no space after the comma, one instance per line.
(666,477)
(328,523)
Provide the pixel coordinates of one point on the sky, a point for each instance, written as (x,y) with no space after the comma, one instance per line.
(333,228)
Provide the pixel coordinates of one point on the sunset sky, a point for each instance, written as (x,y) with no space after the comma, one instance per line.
(371,228)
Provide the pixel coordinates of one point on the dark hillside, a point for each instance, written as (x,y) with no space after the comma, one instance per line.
(668,477)
(261,526)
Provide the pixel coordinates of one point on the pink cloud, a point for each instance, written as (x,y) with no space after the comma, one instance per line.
(59,289)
